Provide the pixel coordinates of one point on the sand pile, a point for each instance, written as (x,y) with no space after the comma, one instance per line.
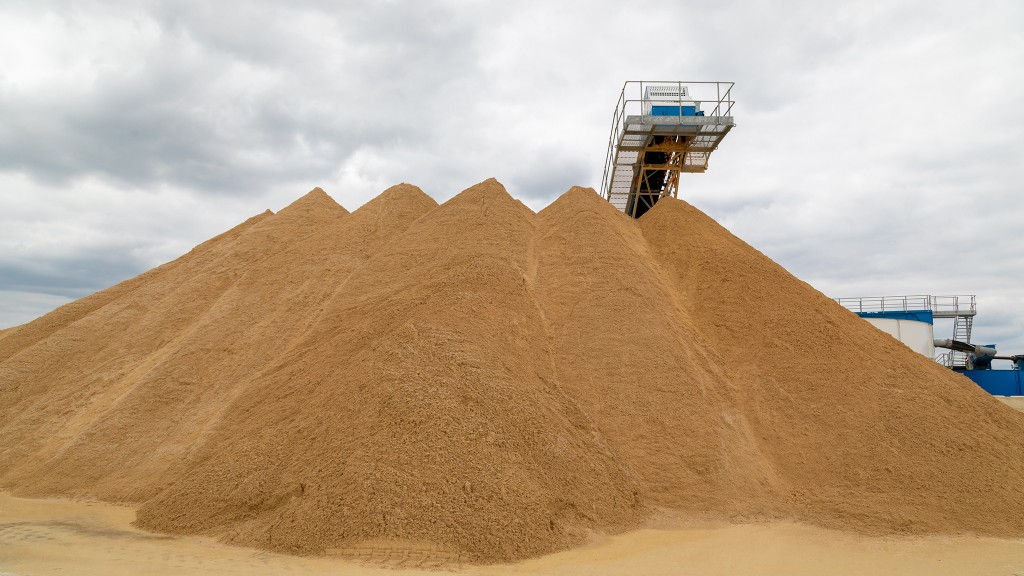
(488,383)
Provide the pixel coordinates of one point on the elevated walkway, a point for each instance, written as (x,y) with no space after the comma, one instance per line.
(659,131)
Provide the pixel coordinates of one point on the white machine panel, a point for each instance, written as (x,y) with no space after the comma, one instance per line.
(918,336)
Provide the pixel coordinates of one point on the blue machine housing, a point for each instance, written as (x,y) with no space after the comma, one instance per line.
(675,111)
(997,382)
(916,315)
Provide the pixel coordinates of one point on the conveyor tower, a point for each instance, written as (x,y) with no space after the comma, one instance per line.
(659,131)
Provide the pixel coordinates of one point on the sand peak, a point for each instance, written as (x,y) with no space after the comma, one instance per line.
(314,202)
(580,198)
(489,190)
(403,194)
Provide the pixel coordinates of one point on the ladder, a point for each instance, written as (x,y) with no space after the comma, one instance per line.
(961,332)
(962,309)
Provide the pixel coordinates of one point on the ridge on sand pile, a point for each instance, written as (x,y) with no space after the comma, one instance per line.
(491,384)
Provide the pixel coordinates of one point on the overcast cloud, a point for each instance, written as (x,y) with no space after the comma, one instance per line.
(879,147)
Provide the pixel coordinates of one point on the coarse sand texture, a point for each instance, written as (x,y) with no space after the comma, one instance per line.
(491,384)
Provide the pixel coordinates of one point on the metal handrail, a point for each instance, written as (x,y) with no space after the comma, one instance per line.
(886,303)
(966,303)
(959,303)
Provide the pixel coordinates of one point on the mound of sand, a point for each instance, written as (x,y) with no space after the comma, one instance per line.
(488,383)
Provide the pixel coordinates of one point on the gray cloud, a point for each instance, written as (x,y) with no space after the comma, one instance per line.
(228,108)
(70,276)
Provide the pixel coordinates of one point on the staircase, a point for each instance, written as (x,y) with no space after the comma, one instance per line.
(961,332)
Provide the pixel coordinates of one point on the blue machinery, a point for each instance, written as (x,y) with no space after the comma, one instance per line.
(979,367)
(660,130)
(910,319)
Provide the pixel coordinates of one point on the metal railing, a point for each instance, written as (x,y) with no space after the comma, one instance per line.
(632,102)
(886,303)
(955,305)
(943,305)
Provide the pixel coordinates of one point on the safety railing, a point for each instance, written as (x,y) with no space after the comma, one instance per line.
(951,305)
(886,303)
(961,304)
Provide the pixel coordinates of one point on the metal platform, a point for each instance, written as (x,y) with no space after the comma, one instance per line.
(660,130)
(961,308)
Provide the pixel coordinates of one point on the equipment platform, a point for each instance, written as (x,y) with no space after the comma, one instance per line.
(659,131)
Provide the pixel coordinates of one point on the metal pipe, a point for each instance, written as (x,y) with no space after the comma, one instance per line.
(959,346)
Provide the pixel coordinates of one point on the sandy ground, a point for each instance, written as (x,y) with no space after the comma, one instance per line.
(41,537)
(1013,401)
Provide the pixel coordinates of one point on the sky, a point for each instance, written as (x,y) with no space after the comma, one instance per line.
(879,147)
